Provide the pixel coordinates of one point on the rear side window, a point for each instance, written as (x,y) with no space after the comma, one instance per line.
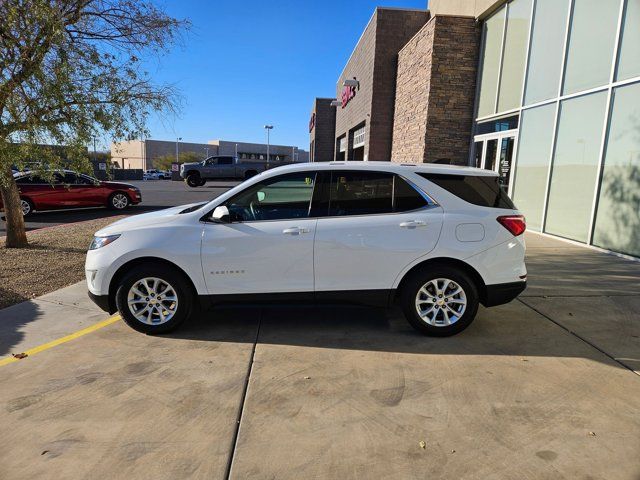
(360,193)
(366,193)
(225,161)
(406,197)
(482,190)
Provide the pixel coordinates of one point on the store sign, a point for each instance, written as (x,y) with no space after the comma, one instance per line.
(348,93)
(312,122)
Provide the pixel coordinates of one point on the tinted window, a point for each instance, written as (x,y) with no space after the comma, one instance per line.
(70,178)
(360,193)
(84,180)
(32,180)
(283,197)
(406,197)
(225,161)
(481,190)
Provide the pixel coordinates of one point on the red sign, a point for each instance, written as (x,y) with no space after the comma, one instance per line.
(347,94)
(312,122)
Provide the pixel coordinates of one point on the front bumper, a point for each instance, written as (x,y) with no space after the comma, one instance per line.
(501,293)
(103,302)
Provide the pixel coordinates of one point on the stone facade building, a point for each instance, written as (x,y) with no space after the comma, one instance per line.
(435,92)
(364,121)
(322,130)
(544,92)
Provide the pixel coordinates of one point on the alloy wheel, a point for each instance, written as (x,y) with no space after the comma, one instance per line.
(441,302)
(120,201)
(152,301)
(26,207)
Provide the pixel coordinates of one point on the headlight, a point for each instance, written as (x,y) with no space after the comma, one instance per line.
(99,242)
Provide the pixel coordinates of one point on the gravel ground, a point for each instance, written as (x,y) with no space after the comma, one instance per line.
(55,259)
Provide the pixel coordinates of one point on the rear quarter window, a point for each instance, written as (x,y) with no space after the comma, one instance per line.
(482,190)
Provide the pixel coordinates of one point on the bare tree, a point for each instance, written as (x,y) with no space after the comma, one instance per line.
(71,70)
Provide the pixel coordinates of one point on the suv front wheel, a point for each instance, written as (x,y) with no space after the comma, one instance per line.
(154,299)
(439,300)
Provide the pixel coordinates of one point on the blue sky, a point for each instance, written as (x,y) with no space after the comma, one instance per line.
(246,63)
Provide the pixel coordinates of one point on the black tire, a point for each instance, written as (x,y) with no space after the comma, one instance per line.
(413,284)
(193,179)
(27,207)
(202,182)
(171,276)
(249,173)
(119,201)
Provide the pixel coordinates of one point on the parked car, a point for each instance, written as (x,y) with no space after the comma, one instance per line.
(151,175)
(223,167)
(68,189)
(439,240)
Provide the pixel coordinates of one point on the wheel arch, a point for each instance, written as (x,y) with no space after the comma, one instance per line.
(449,262)
(124,268)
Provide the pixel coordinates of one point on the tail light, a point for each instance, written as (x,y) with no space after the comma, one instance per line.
(516,224)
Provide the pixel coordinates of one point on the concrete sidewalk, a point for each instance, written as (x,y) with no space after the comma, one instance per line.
(540,388)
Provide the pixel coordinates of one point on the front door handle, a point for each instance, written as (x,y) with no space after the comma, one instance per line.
(295,231)
(413,224)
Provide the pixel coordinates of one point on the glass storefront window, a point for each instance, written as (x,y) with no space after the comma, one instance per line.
(492,31)
(575,165)
(498,125)
(617,225)
(591,43)
(629,56)
(545,59)
(532,165)
(515,53)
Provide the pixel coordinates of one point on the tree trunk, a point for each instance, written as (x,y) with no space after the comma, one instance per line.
(16,235)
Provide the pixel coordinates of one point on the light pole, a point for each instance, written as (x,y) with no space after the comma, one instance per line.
(177,143)
(268,128)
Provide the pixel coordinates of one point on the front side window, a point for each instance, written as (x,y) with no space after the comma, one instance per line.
(280,198)
(70,178)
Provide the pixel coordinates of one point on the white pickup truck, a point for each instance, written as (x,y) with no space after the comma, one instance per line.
(220,167)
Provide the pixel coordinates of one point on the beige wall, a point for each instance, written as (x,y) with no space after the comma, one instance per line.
(128,154)
(471,8)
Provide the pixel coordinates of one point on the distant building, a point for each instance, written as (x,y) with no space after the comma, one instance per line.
(140,154)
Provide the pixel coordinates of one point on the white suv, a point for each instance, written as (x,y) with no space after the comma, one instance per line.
(437,239)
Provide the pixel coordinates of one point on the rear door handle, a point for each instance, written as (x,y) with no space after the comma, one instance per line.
(295,231)
(413,224)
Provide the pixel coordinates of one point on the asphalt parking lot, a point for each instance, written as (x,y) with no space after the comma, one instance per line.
(156,194)
(547,387)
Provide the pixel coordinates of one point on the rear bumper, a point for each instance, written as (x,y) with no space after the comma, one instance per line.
(102,301)
(502,293)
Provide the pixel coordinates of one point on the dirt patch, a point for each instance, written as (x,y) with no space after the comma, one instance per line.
(54,259)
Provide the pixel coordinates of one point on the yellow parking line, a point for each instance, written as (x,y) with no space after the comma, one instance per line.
(59,341)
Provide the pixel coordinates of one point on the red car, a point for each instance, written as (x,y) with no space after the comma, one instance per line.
(72,190)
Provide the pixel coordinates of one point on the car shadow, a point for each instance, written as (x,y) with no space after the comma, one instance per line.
(509,330)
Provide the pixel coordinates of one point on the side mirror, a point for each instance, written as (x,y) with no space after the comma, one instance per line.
(220,214)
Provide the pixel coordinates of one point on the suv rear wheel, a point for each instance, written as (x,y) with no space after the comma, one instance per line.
(193,179)
(154,299)
(439,300)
